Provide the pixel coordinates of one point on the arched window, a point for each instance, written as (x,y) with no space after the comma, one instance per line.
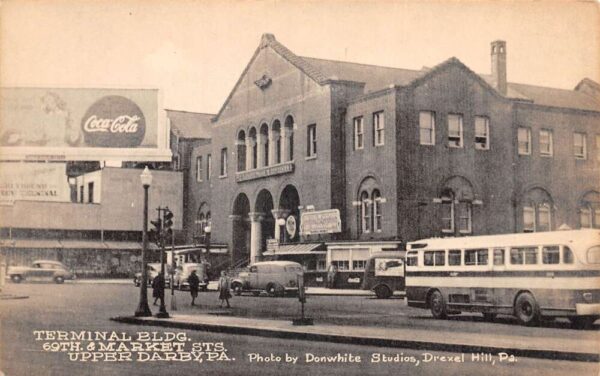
(254,146)
(365,210)
(276,136)
(377,217)
(456,210)
(589,210)
(241,151)
(264,145)
(289,138)
(537,209)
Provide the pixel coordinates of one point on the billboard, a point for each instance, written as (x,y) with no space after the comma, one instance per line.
(33,182)
(320,222)
(82,124)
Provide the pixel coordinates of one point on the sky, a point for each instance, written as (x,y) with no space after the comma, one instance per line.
(195,51)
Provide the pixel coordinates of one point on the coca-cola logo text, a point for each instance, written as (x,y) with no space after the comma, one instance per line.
(114,121)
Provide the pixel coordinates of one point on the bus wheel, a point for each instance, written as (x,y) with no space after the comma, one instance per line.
(526,309)
(437,305)
(582,322)
(383,292)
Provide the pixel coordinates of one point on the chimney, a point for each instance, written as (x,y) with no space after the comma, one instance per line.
(499,65)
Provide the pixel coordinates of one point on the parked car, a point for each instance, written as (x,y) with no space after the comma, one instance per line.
(183,271)
(40,270)
(275,277)
(153,270)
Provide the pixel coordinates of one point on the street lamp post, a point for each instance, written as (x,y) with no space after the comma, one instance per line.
(162,311)
(143,310)
(207,231)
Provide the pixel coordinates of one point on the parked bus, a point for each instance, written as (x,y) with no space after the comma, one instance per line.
(384,273)
(530,275)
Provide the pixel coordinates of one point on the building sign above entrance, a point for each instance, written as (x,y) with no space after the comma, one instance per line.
(264,172)
(320,222)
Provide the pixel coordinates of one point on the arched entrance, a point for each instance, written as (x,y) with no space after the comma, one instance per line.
(288,206)
(263,224)
(241,228)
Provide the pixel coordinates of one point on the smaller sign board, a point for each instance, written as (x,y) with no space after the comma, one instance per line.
(389,267)
(320,222)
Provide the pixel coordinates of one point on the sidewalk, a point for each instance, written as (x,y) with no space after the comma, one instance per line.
(519,346)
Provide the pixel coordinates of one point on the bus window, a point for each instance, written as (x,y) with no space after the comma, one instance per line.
(593,255)
(567,255)
(550,254)
(412,259)
(434,258)
(476,256)
(498,256)
(454,257)
(525,255)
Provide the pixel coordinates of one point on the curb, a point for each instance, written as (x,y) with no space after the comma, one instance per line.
(9,297)
(365,341)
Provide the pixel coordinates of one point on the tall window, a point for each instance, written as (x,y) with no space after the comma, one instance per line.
(358,133)
(464,217)
(456,207)
(199,171)
(524,140)
(311,144)
(528,219)
(223,170)
(241,151)
(448,212)
(365,212)
(208,166)
(546,143)
(589,210)
(537,206)
(544,217)
(276,132)
(579,145)
(455,131)
(378,128)
(426,128)
(90,192)
(377,217)
(482,133)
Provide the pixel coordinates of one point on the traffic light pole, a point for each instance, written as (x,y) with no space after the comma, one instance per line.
(162,214)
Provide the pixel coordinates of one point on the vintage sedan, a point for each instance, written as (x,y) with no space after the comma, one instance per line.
(153,270)
(40,270)
(183,271)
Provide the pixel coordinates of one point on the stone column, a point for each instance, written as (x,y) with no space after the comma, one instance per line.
(255,235)
(249,146)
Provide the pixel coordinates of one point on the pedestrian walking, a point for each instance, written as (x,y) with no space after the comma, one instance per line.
(158,287)
(194,282)
(224,289)
(331,275)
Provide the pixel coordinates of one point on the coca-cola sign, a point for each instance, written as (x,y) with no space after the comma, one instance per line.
(113,121)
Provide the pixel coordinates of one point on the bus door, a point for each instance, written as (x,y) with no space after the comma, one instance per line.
(499,260)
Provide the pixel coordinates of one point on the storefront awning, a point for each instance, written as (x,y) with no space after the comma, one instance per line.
(82,244)
(296,249)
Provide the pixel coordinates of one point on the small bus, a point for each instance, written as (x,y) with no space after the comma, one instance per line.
(384,273)
(529,275)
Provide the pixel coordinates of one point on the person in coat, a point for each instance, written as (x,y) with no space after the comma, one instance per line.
(194,282)
(158,287)
(224,289)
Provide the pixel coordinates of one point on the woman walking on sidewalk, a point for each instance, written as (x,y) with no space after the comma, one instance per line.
(158,287)
(224,293)
(194,282)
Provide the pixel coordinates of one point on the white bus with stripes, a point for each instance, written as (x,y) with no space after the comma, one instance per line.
(530,275)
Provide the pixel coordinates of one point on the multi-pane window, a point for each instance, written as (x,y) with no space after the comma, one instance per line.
(378,128)
(223,170)
(358,133)
(528,219)
(454,257)
(546,142)
(550,254)
(434,258)
(365,212)
(464,217)
(208,166)
(523,256)
(589,217)
(426,128)
(359,264)
(543,218)
(476,256)
(524,141)
(199,171)
(455,131)
(311,144)
(579,145)
(448,214)
(377,217)
(482,133)
(537,218)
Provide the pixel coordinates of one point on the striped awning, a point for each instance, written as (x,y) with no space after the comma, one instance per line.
(297,249)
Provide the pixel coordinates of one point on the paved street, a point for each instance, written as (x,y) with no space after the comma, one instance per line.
(88,307)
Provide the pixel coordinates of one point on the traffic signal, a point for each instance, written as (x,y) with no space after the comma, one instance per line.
(168,217)
(154,233)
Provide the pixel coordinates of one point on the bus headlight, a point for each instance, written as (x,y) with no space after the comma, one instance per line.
(587,296)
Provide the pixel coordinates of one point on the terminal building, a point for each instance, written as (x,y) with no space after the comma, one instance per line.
(371,157)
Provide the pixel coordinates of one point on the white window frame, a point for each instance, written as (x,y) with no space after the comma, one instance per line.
(365,212)
(469,217)
(430,128)
(223,169)
(583,146)
(359,133)
(208,166)
(544,208)
(199,170)
(452,136)
(531,210)
(486,133)
(550,143)
(379,128)
(448,201)
(526,143)
(312,140)
(377,212)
